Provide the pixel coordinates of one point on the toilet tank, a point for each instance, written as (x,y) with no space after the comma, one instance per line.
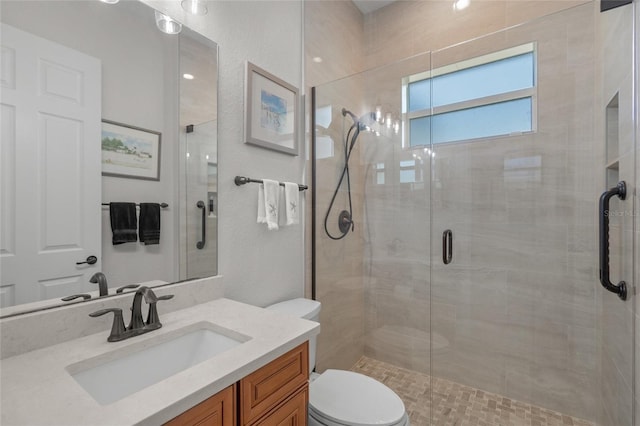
(302,308)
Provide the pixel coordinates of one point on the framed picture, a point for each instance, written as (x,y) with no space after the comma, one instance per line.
(271,111)
(130,152)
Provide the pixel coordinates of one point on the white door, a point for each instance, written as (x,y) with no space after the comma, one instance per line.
(50,193)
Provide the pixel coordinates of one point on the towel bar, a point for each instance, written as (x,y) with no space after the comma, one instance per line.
(241,180)
(163,205)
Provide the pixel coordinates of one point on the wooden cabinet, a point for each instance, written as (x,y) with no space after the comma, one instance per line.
(219,410)
(274,395)
(271,385)
(293,412)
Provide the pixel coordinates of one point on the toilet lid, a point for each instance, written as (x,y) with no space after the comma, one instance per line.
(354,399)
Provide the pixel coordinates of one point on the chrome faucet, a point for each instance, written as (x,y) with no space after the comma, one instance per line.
(100,279)
(137,325)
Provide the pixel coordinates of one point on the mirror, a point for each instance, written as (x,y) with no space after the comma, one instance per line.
(66,67)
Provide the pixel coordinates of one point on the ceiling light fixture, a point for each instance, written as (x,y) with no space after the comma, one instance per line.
(188,76)
(110,1)
(461,4)
(317,59)
(195,7)
(167,24)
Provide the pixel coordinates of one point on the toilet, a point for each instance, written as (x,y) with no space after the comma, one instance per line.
(344,398)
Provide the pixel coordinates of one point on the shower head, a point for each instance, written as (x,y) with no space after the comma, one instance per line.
(364,122)
(367,120)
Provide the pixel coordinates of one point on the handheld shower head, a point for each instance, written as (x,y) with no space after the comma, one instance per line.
(364,122)
(367,120)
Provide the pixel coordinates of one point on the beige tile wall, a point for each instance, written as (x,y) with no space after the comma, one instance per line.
(407,28)
(517,312)
(615,49)
(637,212)
(333,32)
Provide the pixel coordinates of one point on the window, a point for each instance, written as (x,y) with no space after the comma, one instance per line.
(491,95)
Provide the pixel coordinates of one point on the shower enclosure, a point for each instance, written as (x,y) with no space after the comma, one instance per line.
(201,193)
(199,149)
(471,255)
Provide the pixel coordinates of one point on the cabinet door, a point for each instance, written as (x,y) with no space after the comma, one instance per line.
(266,388)
(219,410)
(291,413)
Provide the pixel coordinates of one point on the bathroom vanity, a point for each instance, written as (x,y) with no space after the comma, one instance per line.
(258,379)
(274,394)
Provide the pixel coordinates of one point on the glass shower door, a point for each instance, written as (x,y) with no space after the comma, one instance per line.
(198,148)
(201,200)
(372,249)
(516,129)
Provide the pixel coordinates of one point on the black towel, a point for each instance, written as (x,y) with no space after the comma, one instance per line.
(149,223)
(123,222)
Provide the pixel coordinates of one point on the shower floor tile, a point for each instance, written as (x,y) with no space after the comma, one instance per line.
(456,404)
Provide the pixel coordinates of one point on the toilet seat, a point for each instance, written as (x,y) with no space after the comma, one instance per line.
(345,398)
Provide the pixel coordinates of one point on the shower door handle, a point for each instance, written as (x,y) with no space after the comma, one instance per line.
(447,246)
(200,244)
(620,190)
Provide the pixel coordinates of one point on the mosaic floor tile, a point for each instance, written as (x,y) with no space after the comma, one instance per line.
(458,405)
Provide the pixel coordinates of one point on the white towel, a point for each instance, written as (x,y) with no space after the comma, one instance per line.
(268,201)
(292,202)
(262,212)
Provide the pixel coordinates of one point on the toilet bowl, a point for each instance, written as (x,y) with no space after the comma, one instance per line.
(344,398)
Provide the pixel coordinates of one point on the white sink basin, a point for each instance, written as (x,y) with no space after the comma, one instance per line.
(113,376)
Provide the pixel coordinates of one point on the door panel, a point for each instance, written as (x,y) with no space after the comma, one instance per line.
(51,104)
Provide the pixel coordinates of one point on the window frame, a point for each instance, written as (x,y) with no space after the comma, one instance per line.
(531,93)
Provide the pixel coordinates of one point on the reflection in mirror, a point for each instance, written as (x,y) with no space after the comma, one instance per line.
(66,67)
(198,133)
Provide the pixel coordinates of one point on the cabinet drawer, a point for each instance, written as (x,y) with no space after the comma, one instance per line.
(291,413)
(263,389)
(219,410)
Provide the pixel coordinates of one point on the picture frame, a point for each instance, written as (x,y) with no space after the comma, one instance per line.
(129,151)
(271,111)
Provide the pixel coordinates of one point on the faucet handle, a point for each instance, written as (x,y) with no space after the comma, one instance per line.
(126,287)
(165,297)
(76,296)
(117,328)
(152,317)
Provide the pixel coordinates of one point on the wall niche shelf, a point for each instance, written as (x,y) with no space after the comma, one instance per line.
(612,120)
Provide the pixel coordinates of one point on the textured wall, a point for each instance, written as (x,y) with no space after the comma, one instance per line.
(259,266)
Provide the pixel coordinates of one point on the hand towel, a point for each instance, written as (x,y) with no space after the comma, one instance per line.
(149,223)
(123,223)
(268,203)
(262,211)
(292,203)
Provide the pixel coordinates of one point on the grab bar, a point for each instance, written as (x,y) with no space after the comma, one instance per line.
(200,244)
(619,190)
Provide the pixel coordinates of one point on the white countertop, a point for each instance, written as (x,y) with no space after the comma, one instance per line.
(38,390)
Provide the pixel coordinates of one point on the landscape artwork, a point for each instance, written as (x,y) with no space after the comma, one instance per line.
(273,112)
(129,151)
